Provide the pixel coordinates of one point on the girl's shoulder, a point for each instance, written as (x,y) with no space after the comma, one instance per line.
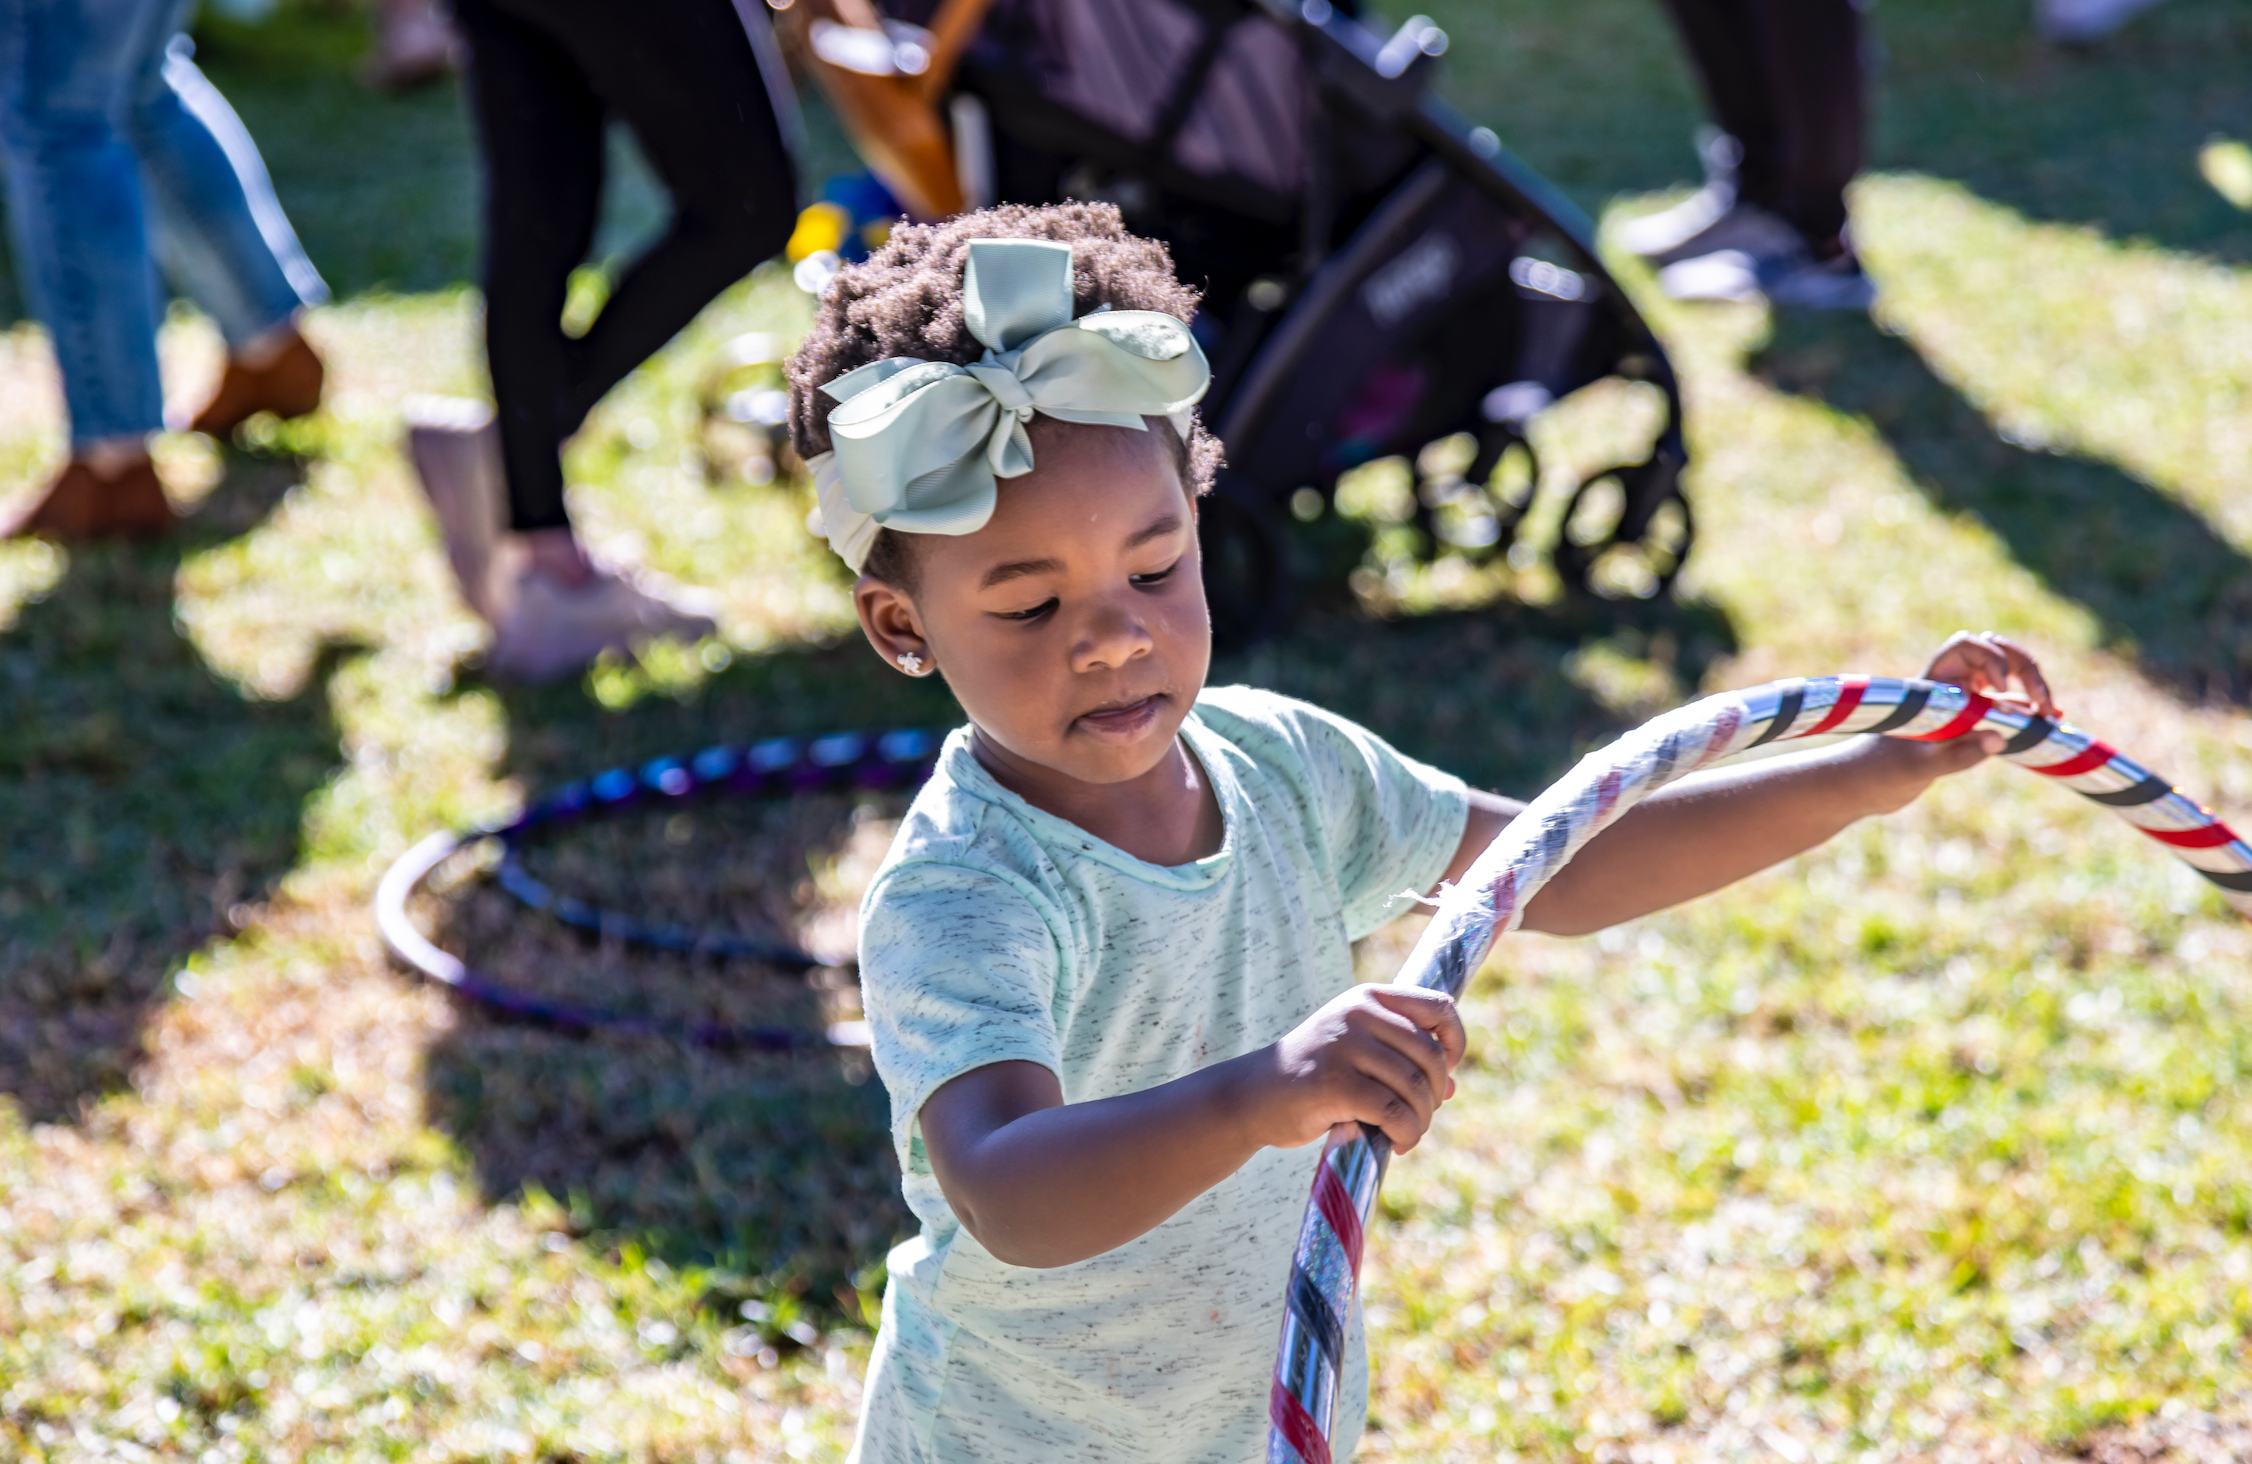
(960,827)
(954,817)
(1340,770)
(1283,735)
(1268,718)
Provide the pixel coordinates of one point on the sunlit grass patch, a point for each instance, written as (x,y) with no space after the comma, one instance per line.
(1932,1139)
(1844,1155)
(2070,341)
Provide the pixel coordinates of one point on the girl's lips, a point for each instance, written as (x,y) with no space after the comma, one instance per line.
(1123,723)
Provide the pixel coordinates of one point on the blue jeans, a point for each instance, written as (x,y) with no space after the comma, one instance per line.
(120,155)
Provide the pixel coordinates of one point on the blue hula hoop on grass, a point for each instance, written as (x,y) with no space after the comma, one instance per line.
(776,767)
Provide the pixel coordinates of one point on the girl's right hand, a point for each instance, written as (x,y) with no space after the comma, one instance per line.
(1379,1055)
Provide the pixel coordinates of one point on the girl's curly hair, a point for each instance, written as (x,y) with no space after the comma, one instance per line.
(906,300)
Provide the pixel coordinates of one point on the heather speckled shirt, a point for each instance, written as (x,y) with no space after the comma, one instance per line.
(994,933)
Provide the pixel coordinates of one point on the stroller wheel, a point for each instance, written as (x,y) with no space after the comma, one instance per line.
(1246,573)
(1470,512)
(1626,533)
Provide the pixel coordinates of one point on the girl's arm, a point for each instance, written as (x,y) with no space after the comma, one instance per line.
(1712,829)
(1041,1182)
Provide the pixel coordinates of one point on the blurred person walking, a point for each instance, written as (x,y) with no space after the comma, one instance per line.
(1786,84)
(691,78)
(120,156)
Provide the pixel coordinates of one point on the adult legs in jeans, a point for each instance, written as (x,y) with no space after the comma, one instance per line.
(76,206)
(544,80)
(222,238)
(68,71)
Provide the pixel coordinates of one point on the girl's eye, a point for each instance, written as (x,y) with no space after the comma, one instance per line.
(1033,614)
(1156,576)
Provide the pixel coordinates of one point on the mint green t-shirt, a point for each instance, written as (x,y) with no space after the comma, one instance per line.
(995,932)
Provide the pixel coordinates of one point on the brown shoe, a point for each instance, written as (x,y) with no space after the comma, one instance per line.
(288,386)
(82,505)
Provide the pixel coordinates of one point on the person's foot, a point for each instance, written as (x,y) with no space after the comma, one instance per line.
(547,629)
(2077,22)
(551,608)
(455,448)
(1703,225)
(1807,283)
(1706,220)
(1774,262)
(1680,232)
(1798,282)
(287,383)
(83,505)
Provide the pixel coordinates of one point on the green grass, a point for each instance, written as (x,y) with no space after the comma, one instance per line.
(1931,1144)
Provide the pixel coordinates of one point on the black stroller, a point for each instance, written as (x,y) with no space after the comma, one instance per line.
(1378,273)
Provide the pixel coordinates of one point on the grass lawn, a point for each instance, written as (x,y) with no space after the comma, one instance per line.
(1934,1144)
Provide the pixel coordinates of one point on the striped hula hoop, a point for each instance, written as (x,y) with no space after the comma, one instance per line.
(1491,899)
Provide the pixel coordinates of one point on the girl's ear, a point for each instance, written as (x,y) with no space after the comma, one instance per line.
(892,624)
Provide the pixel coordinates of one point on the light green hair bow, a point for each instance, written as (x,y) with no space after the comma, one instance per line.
(918,445)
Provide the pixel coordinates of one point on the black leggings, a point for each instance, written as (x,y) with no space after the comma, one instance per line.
(544,77)
(1786,79)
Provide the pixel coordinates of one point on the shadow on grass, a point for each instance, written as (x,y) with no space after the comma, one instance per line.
(141,798)
(2169,591)
(774,1167)
(1506,695)
(2106,135)
(779,1168)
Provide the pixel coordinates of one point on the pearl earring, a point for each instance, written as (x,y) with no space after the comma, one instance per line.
(911,663)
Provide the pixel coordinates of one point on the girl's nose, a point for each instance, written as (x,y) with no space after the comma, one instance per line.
(1112,635)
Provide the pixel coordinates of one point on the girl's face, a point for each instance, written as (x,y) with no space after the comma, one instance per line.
(1072,627)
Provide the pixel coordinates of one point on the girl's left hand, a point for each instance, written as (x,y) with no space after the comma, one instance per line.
(1995,667)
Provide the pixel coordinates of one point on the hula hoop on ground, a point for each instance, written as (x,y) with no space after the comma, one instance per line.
(776,767)
(1490,902)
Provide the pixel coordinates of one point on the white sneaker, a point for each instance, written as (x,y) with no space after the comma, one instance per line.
(2077,21)
(1678,232)
(1791,277)
(455,448)
(545,630)
(1729,275)
(1739,226)
(541,629)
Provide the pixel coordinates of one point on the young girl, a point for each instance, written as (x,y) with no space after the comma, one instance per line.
(1107,963)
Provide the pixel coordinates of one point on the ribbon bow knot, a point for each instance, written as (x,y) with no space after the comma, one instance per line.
(1009,391)
(919,445)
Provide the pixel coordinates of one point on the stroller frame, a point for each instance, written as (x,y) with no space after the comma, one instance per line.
(1386,303)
